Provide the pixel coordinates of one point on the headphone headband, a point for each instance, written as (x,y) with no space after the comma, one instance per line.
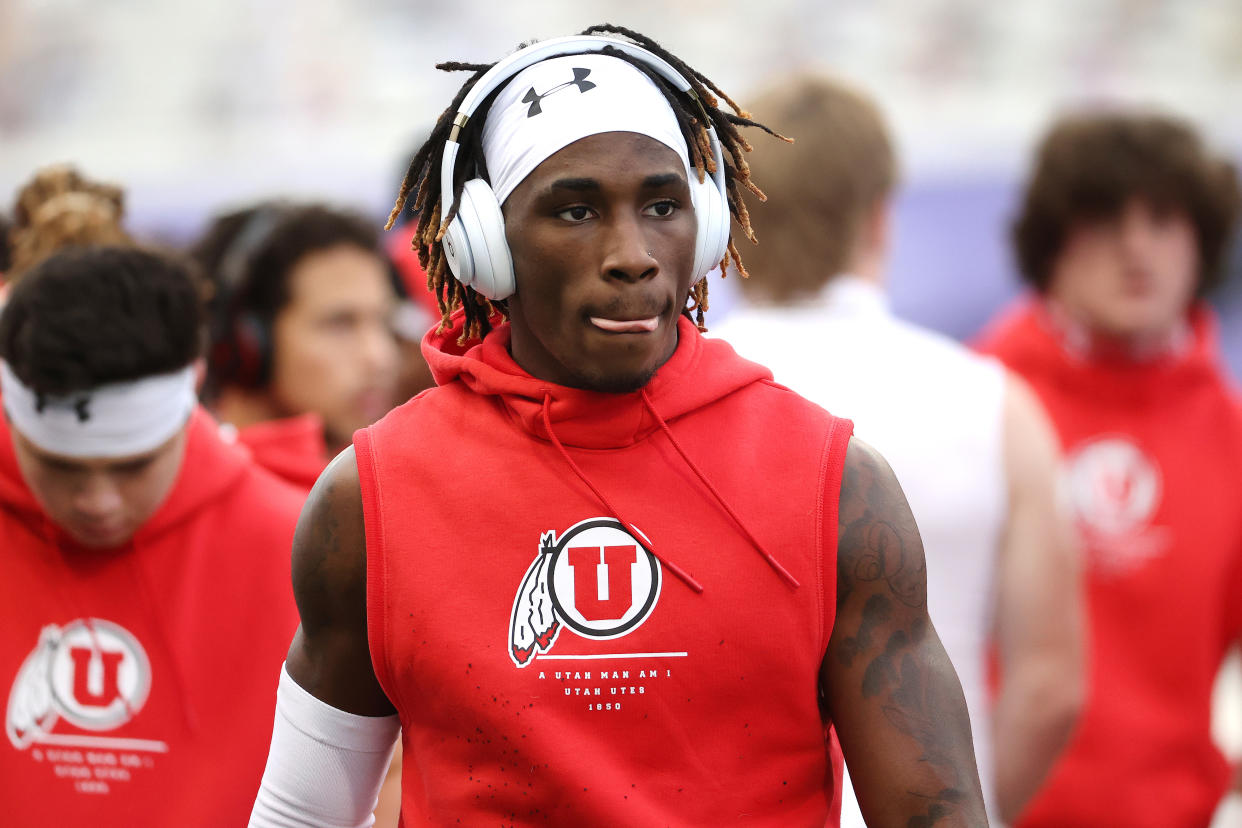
(474,242)
(507,67)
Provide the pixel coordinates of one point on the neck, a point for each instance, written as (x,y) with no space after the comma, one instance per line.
(243,408)
(1079,336)
(870,266)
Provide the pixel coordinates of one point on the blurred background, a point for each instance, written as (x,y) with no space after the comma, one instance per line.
(195,107)
(199,107)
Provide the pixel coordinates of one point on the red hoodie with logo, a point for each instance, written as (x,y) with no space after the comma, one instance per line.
(140,682)
(583,604)
(1154,469)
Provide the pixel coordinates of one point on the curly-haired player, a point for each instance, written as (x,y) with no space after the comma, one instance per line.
(607,573)
(1125,223)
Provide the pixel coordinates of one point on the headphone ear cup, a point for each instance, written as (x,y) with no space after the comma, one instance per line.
(493,266)
(475,245)
(248,352)
(712,234)
(456,247)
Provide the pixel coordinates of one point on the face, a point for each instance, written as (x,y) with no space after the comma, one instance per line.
(334,351)
(602,235)
(101,502)
(1130,277)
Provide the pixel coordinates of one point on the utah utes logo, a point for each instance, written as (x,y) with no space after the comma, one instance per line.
(91,672)
(597,580)
(1115,487)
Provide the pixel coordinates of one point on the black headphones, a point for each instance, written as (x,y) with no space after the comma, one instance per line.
(241,339)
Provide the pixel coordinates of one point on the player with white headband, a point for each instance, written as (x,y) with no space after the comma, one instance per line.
(607,572)
(143,586)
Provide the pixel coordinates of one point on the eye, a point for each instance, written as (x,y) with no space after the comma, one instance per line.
(662,209)
(577,213)
(133,466)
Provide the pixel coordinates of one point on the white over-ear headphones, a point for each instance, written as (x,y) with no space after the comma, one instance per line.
(474,243)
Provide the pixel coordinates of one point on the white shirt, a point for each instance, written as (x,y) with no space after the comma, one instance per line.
(934,409)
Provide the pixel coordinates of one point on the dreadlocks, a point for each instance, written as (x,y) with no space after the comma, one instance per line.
(422,179)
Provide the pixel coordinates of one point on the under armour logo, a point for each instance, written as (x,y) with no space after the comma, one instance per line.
(81,406)
(534,98)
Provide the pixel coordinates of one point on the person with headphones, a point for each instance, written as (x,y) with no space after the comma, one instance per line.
(606,572)
(302,351)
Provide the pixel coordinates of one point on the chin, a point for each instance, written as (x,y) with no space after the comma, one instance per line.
(624,383)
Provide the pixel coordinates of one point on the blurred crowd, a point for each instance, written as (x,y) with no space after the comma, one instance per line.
(1075,471)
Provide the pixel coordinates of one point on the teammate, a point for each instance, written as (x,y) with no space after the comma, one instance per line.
(143,589)
(607,572)
(978,465)
(302,353)
(1123,227)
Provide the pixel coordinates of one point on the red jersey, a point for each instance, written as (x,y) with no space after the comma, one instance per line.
(140,681)
(1154,470)
(292,448)
(554,664)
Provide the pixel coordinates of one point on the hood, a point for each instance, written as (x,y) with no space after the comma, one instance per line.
(700,372)
(292,448)
(1028,339)
(209,469)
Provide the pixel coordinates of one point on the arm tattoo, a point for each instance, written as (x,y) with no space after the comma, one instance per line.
(880,564)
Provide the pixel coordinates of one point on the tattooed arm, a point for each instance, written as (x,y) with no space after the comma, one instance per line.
(887,682)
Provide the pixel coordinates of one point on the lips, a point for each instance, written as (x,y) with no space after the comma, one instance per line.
(626,325)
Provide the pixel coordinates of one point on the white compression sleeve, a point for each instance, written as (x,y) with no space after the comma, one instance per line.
(325,766)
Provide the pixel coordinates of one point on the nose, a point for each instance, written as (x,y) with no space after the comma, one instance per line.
(627,252)
(1137,230)
(378,348)
(98,499)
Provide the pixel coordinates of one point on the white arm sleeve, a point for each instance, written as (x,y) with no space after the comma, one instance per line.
(325,766)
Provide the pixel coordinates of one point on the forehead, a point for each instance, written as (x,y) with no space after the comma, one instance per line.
(85,464)
(615,157)
(344,272)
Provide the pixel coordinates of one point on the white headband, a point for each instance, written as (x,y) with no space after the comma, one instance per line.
(548,106)
(115,420)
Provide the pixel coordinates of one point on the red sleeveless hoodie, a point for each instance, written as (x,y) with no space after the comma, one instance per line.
(140,682)
(1154,469)
(583,604)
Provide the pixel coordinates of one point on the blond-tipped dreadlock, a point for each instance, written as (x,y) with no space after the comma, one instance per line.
(422,180)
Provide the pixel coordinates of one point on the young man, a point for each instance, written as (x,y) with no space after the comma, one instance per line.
(607,572)
(1124,225)
(978,465)
(302,351)
(143,586)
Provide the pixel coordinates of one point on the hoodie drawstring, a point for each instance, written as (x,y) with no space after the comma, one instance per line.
(767,556)
(686,577)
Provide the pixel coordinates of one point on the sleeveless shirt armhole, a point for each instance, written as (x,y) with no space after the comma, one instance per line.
(377,574)
(832,470)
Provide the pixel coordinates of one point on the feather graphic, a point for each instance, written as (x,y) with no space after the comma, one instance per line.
(31,711)
(534,625)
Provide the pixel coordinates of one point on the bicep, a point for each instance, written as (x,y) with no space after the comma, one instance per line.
(1039,589)
(330,656)
(888,684)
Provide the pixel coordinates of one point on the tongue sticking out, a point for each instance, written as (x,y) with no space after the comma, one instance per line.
(626,325)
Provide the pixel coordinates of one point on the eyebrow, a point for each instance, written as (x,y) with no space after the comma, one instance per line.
(590,185)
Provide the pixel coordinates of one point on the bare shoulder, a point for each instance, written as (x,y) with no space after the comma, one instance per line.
(1031,446)
(877,539)
(329,547)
